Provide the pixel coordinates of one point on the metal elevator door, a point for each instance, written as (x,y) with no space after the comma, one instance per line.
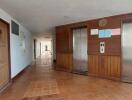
(127,52)
(80,51)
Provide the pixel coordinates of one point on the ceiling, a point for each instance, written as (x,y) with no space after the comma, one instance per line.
(41,16)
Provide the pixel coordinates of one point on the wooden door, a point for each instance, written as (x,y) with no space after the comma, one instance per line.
(63,49)
(4,54)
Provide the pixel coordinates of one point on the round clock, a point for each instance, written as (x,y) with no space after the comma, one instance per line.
(102,22)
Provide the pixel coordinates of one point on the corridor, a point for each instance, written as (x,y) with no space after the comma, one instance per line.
(65,50)
(41,82)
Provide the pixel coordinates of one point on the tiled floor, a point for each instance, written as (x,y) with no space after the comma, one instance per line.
(42,88)
(40,82)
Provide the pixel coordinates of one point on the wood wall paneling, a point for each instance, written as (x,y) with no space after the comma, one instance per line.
(64,61)
(63,48)
(63,38)
(106,65)
(93,65)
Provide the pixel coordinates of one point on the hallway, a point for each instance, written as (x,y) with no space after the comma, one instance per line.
(59,50)
(40,82)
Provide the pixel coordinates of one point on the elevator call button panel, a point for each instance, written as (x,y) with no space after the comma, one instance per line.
(102,47)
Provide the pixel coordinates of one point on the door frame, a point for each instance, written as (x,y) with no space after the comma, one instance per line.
(9,55)
(71,30)
(122,63)
(34,49)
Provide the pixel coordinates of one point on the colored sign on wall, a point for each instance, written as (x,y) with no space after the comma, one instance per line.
(106,33)
(94,31)
(116,31)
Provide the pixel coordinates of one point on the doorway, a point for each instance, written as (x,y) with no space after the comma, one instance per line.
(127,51)
(46,51)
(5,75)
(80,51)
(34,43)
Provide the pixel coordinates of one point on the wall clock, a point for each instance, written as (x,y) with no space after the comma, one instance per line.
(103,22)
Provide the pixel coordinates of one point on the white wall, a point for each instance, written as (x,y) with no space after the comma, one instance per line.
(49,46)
(38,53)
(19,58)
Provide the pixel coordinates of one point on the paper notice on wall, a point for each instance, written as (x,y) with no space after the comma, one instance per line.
(116,31)
(94,31)
(101,33)
(106,33)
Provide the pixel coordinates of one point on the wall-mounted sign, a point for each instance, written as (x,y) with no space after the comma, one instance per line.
(116,31)
(94,31)
(106,33)
(14,28)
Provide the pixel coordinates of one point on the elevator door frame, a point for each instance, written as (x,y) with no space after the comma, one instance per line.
(73,52)
(122,59)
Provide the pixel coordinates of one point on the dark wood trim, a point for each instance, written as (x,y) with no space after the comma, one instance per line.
(109,78)
(34,49)
(78,26)
(9,55)
(126,21)
(83,23)
(21,73)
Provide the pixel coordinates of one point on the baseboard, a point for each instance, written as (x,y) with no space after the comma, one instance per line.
(108,78)
(5,87)
(20,73)
(62,69)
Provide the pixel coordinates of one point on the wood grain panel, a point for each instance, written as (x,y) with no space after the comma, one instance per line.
(93,65)
(113,65)
(113,44)
(104,66)
(93,46)
(64,61)
(63,39)
(4,78)
(4,54)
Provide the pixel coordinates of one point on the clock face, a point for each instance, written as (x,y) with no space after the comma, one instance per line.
(103,22)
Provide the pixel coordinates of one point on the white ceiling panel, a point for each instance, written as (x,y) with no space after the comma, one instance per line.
(43,15)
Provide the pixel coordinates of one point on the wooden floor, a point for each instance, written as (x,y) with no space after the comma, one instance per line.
(40,82)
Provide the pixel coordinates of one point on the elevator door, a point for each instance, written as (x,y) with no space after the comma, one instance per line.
(80,51)
(127,52)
